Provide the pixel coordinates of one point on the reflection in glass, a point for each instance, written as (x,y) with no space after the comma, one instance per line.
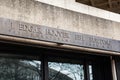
(16,69)
(65,71)
(90,72)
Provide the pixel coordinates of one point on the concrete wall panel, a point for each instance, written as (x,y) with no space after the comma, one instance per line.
(43,14)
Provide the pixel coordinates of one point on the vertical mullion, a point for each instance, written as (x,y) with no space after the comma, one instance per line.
(44,67)
(86,71)
(113,65)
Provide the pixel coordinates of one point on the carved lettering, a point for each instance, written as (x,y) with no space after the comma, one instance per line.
(26,30)
(92,41)
(29,28)
(96,42)
(57,33)
(79,38)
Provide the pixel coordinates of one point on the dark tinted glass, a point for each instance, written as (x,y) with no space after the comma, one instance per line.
(19,69)
(65,71)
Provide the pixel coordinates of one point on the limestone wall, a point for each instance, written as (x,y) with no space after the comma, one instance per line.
(43,14)
(82,8)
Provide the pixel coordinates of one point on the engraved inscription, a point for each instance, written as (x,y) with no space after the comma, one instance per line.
(93,42)
(57,35)
(29,28)
(79,38)
(31,31)
(11,27)
(97,42)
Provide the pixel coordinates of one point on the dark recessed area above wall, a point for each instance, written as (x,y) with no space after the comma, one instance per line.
(110,5)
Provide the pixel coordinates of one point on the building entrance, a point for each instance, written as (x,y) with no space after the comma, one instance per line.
(23,62)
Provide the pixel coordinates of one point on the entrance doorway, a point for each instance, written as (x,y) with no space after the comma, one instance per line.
(23,62)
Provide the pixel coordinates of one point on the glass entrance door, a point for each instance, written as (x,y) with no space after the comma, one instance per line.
(32,63)
(81,69)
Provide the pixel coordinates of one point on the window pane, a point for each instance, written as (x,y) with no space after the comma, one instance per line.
(90,72)
(65,71)
(17,69)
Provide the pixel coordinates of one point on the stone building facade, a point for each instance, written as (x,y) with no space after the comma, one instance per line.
(64,33)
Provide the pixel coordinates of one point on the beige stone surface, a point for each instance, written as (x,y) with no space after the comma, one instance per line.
(82,8)
(43,14)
